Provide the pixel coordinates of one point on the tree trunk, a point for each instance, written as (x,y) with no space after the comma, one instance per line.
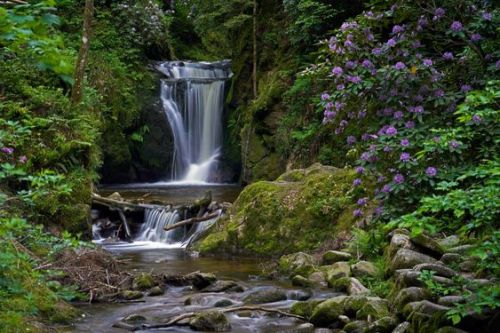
(83,54)
(254,74)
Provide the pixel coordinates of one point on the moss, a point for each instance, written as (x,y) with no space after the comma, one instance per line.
(63,313)
(304,308)
(275,218)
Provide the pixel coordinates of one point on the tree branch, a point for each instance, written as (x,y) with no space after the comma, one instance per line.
(191,221)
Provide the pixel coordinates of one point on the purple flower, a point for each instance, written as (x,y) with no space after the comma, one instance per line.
(418,109)
(497,64)
(367,63)
(405,157)
(399,178)
(390,131)
(325,96)
(448,56)
(454,144)
(400,65)
(356,182)
(360,170)
(487,16)
(351,140)
(23,159)
(456,26)
(350,64)
(357,213)
(439,12)
(387,149)
(476,119)
(391,42)
(365,156)
(465,88)
(431,171)
(377,51)
(343,123)
(362,201)
(387,111)
(330,114)
(381,179)
(405,143)
(398,115)
(386,188)
(428,62)
(337,71)
(379,210)
(422,22)
(397,29)
(476,37)
(354,79)
(340,87)
(439,93)
(7,150)
(410,124)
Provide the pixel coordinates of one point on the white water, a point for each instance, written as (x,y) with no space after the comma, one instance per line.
(192,99)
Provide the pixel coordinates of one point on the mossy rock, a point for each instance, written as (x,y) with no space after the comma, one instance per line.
(331,257)
(297,264)
(210,321)
(326,313)
(304,308)
(300,281)
(375,308)
(156,291)
(276,218)
(144,281)
(63,313)
(265,296)
(131,294)
(336,271)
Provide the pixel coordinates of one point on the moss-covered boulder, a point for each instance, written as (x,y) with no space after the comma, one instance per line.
(265,296)
(304,308)
(326,313)
(281,217)
(297,264)
(364,268)
(331,257)
(336,271)
(210,321)
(143,281)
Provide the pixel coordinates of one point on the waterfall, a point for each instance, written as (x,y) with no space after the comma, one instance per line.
(193,97)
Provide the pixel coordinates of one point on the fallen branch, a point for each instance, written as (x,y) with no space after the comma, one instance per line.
(181,317)
(123,218)
(191,221)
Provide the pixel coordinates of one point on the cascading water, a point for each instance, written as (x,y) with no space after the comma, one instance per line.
(192,97)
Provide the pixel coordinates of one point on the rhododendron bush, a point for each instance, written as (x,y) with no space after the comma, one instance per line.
(396,77)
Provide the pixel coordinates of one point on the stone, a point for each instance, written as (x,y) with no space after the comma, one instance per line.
(300,281)
(304,328)
(399,241)
(300,295)
(468,265)
(338,270)
(437,267)
(364,268)
(451,258)
(425,307)
(221,286)
(408,277)
(297,264)
(131,294)
(143,281)
(331,257)
(461,249)
(340,284)
(405,258)
(404,327)
(410,294)
(210,321)
(375,309)
(450,329)
(383,325)
(266,296)
(326,313)
(317,277)
(200,280)
(305,308)
(427,243)
(451,300)
(355,287)
(450,241)
(344,319)
(223,303)
(156,291)
(356,326)
(134,319)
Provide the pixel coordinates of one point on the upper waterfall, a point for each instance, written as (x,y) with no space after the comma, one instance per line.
(193,98)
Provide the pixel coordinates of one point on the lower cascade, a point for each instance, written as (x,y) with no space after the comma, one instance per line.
(192,96)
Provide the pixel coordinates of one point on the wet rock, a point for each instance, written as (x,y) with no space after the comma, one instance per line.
(461,249)
(324,330)
(246,314)
(411,294)
(131,294)
(223,303)
(304,309)
(407,259)
(356,326)
(338,270)
(437,267)
(134,319)
(399,241)
(210,321)
(374,309)
(383,325)
(222,286)
(331,257)
(344,319)
(428,243)
(143,281)
(301,281)
(451,258)
(266,296)
(355,287)
(326,313)
(156,291)
(450,241)
(304,328)
(364,268)
(200,280)
(404,327)
(317,277)
(451,300)
(300,295)
(297,264)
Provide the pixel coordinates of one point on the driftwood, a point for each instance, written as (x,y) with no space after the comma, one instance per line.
(123,218)
(181,317)
(125,205)
(191,221)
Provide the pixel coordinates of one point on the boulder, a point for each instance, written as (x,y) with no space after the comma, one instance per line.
(461,249)
(331,257)
(134,319)
(340,284)
(404,327)
(355,287)
(223,303)
(305,308)
(338,270)
(428,244)
(451,258)
(326,313)
(156,291)
(223,286)
(131,294)
(399,241)
(356,326)
(210,321)
(437,267)
(143,281)
(450,241)
(408,278)
(405,258)
(383,325)
(266,296)
(318,277)
(301,281)
(200,280)
(300,295)
(451,300)
(364,268)
(425,307)
(374,309)
(297,264)
(411,294)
